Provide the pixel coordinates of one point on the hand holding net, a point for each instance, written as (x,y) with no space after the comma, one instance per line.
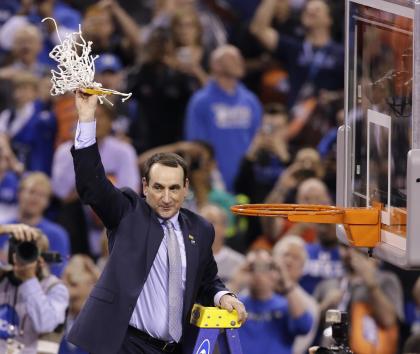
(76,67)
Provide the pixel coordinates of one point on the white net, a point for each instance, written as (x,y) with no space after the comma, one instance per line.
(76,67)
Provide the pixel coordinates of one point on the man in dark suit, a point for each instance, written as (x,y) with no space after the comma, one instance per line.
(160,260)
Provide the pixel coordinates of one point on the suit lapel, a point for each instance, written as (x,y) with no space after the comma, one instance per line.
(191,253)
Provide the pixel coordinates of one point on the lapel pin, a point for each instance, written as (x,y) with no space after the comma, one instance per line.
(191,239)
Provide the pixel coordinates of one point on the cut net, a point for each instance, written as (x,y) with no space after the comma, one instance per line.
(76,67)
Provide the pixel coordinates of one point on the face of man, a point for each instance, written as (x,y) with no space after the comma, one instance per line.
(166,190)
(27,44)
(33,198)
(275,125)
(316,14)
(315,195)
(23,94)
(293,258)
(228,63)
(262,272)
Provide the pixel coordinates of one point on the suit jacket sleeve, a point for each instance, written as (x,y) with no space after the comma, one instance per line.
(94,189)
(210,283)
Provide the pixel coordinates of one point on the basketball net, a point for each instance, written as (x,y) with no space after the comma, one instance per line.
(76,67)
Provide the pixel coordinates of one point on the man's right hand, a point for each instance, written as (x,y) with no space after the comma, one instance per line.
(86,106)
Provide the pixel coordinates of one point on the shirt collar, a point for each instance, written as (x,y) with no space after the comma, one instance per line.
(173,220)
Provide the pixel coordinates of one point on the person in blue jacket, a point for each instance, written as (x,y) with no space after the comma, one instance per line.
(225,113)
(274,318)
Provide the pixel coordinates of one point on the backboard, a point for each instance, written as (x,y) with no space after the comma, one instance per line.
(378,157)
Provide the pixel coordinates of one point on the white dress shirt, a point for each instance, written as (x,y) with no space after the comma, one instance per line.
(155,290)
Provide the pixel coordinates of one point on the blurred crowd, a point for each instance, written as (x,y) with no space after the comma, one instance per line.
(250,93)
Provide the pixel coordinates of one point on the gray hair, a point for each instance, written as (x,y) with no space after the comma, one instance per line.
(285,242)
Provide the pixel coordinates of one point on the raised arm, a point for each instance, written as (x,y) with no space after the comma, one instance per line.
(261,24)
(127,24)
(94,189)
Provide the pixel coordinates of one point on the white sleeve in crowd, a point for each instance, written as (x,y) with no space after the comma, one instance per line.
(85,135)
(46,310)
(128,174)
(62,174)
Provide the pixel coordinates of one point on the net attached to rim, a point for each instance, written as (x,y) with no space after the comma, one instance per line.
(76,67)
(284,210)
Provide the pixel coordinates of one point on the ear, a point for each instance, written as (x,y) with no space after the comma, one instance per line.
(145,185)
(187,184)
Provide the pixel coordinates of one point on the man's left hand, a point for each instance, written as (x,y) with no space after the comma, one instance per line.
(230,303)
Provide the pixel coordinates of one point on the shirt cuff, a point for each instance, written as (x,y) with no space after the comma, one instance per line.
(218,296)
(29,287)
(85,135)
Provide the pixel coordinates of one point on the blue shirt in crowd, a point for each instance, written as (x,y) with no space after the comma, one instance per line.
(8,196)
(270,329)
(322,263)
(59,242)
(227,121)
(33,141)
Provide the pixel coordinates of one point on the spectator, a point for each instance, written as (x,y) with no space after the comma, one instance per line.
(10,170)
(100,26)
(306,164)
(33,198)
(33,317)
(228,261)
(263,73)
(213,33)
(80,276)
(315,63)
(109,71)
(373,299)
(160,87)
(32,12)
(323,258)
(29,125)
(274,320)
(291,251)
(291,188)
(188,49)
(224,113)
(26,48)
(266,157)
(119,159)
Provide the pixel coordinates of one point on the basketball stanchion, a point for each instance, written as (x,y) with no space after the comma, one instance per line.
(362,225)
(214,325)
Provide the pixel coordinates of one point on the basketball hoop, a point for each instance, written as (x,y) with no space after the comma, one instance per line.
(362,225)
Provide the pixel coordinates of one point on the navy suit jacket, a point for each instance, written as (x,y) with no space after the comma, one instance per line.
(134,236)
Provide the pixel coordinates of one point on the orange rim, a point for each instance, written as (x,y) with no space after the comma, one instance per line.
(283,210)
